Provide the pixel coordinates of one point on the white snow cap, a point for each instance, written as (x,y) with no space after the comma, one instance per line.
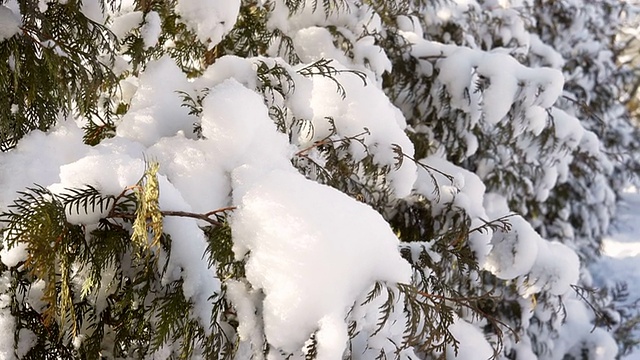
(310,271)
(303,265)
(365,107)
(522,252)
(156,108)
(210,19)
(9,23)
(473,345)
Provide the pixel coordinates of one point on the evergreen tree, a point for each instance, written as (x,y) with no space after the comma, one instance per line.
(301,179)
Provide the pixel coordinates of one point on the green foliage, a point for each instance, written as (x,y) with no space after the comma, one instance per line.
(59,61)
(76,269)
(103,289)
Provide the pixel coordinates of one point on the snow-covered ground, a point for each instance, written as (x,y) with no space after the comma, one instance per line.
(621,250)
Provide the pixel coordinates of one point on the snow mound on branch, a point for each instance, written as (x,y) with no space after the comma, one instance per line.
(446,184)
(280,226)
(188,164)
(110,169)
(473,344)
(209,19)
(460,68)
(45,153)
(9,23)
(365,108)
(522,253)
(156,108)
(306,267)
(514,252)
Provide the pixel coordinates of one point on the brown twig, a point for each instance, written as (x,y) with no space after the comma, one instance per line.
(204,217)
(327,141)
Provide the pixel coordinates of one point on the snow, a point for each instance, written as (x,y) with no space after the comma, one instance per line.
(9,23)
(621,250)
(156,109)
(466,192)
(312,252)
(473,344)
(280,225)
(314,43)
(210,19)
(513,252)
(7,321)
(123,24)
(298,260)
(365,108)
(92,9)
(151,29)
(459,66)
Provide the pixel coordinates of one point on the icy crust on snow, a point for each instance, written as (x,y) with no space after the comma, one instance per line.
(209,19)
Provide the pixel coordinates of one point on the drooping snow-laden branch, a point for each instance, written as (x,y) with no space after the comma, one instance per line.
(469,302)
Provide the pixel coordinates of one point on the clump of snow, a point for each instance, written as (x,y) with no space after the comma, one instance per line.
(209,19)
(365,108)
(280,226)
(567,127)
(13,256)
(446,184)
(7,321)
(188,164)
(556,268)
(9,23)
(45,153)
(237,126)
(577,335)
(295,257)
(369,338)
(27,339)
(314,43)
(513,252)
(188,245)
(124,23)
(522,253)
(92,9)
(506,77)
(473,345)
(244,299)
(151,29)
(156,108)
